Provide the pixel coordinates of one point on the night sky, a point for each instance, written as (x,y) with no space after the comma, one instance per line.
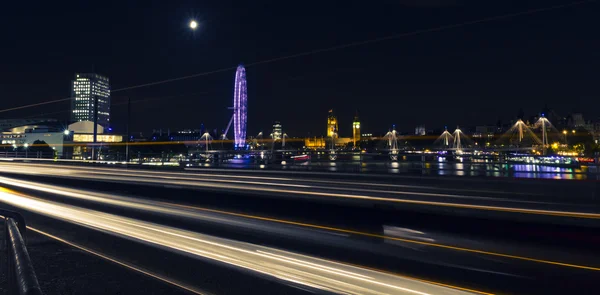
(468,75)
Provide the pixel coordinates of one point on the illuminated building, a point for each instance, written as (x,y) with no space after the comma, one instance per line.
(87,88)
(277,130)
(50,133)
(316,143)
(99,138)
(420,130)
(332,124)
(355,130)
(82,135)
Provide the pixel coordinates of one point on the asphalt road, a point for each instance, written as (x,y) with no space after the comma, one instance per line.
(229,232)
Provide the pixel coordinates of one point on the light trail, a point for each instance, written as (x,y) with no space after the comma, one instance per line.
(211,176)
(168,208)
(190,180)
(437,245)
(300,269)
(196,177)
(583,215)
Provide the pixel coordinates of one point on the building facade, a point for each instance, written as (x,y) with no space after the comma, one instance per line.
(82,137)
(27,135)
(317,143)
(420,130)
(356,131)
(277,130)
(577,120)
(86,90)
(332,125)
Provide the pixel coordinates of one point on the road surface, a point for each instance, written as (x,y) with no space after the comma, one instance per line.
(204,230)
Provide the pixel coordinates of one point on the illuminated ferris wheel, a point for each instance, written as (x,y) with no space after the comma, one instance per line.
(240,108)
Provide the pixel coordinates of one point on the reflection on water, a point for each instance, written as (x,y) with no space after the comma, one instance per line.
(537,171)
(460,169)
(432,166)
(441,169)
(395,167)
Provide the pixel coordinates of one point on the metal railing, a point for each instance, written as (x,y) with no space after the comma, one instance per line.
(20,275)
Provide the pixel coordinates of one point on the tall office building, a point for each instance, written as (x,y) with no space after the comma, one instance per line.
(355,130)
(86,89)
(332,125)
(277,130)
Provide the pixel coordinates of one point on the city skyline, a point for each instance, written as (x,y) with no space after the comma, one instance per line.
(87,86)
(300,147)
(397,85)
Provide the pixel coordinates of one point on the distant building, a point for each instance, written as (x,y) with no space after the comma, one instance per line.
(332,125)
(277,130)
(86,89)
(73,141)
(84,132)
(420,130)
(314,142)
(486,132)
(578,120)
(325,143)
(52,134)
(11,123)
(355,131)
(190,136)
(82,135)
(595,131)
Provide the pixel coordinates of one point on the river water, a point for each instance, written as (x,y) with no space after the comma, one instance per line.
(411,165)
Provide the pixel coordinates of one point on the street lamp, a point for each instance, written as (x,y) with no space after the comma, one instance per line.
(565,133)
(193,24)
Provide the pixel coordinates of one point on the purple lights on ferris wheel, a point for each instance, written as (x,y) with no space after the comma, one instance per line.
(240,108)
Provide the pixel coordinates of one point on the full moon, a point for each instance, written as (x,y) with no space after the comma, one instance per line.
(193,24)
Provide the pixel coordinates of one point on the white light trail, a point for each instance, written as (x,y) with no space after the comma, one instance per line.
(305,270)
(247,222)
(189,180)
(237,182)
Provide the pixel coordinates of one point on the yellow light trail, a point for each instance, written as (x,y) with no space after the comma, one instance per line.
(157,206)
(138,178)
(197,176)
(300,269)
(388,237)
